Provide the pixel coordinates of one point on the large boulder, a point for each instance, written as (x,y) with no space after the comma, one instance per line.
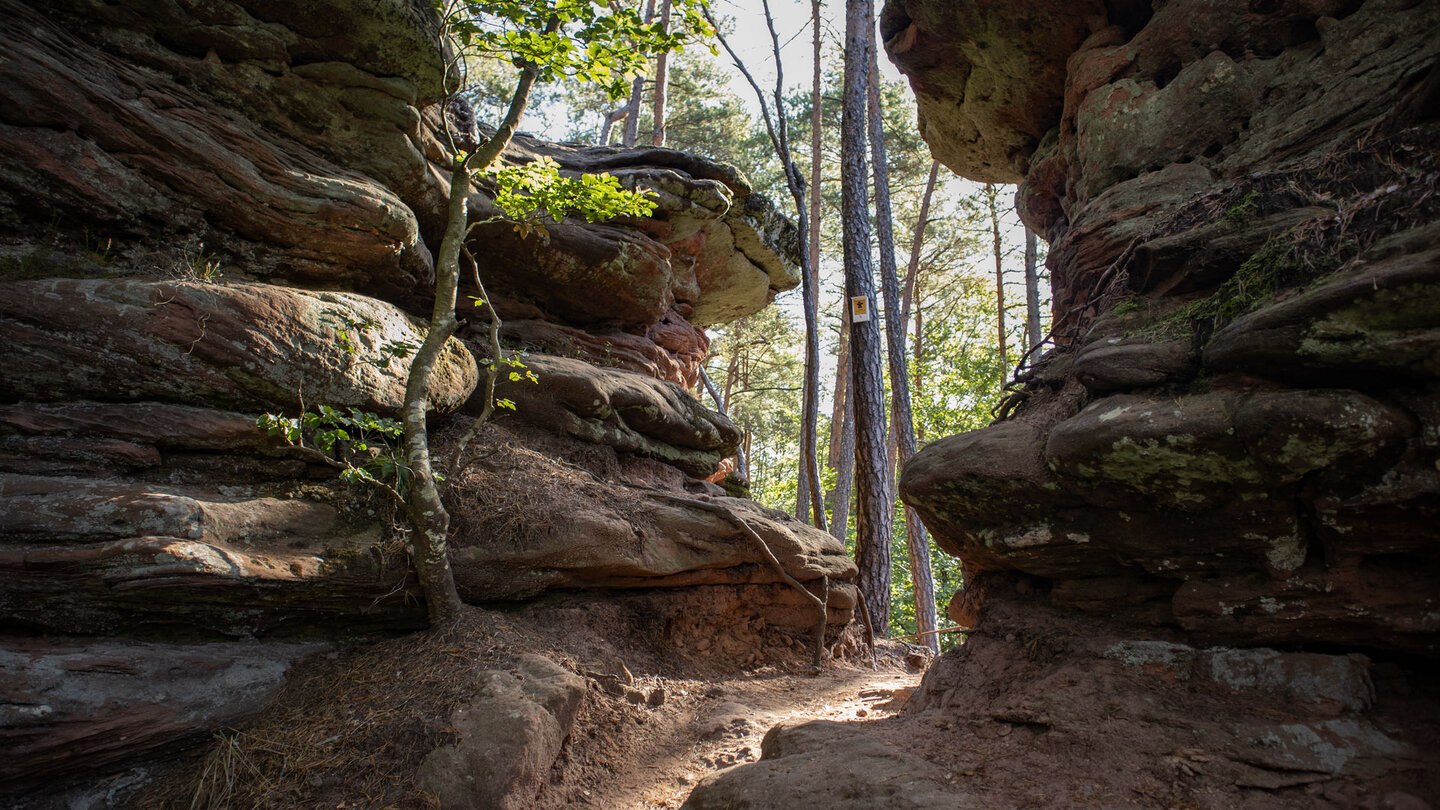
(75,708)
(508,738)
(261,129)
(97,556)
(525,523)
(714,251)
(832,765)
(621,409)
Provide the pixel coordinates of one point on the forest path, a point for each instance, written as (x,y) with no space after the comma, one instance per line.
(721,723)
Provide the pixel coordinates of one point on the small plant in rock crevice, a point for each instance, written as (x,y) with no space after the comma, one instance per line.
(363,445)
(194,264)
(1243,211)
(546,40)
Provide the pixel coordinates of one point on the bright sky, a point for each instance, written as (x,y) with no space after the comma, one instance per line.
(751,41)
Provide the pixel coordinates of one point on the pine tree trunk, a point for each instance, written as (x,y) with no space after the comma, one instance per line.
(842,439)
(921,222)
(845,470)
(991,193)
(1032,295)
(810,400)
(611,119)
(919,354)
(808,495)
(812,265)
(631,133)
(662,70)
(902,428)
(873,491)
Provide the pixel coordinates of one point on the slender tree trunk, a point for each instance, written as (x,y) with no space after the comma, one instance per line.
(902,428)
(912,297)
(662,69)
(809,476)
(919,355)
(778,129)
(873,490)
(611,119)
(423,506)
(913,271)
(838,415)
(991,193)
(631,133)
(430,521)
(740,465)
(842,438)
(732,375)
(1032,294)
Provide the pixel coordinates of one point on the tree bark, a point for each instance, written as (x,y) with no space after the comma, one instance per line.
(913,271)
(991,192)
(902,427)
(740,465)
(662,68)
(844,451)
(611,119)
(631,132)
(1032,294)
(874,493)
(919,355)
(842,439)
(809,477)
(423,507)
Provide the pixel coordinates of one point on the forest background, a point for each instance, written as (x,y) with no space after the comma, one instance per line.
(965,269)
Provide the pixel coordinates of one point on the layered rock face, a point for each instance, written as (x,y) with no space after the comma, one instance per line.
(1234,440)
(1240,408)
(215,211)
(1200,549)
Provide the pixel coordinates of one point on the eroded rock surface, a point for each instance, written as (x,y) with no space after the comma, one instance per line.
(509,737)
(94,705)
(712,252)
(212,212)
(1224,471)
(231,345)
(798,763)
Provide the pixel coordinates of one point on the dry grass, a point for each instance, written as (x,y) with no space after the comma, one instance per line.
(353,728)
(509,492)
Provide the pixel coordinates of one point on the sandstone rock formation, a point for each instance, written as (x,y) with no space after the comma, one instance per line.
(1245,320)
(212,212)
(526,713)
(1199,548)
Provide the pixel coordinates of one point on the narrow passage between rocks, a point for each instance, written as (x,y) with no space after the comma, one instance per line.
(716,724)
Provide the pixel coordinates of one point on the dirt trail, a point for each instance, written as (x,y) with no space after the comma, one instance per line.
(719,724)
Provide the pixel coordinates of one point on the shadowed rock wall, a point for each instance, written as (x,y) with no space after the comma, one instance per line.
(213,210)
(1201,546)
(1233,440)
